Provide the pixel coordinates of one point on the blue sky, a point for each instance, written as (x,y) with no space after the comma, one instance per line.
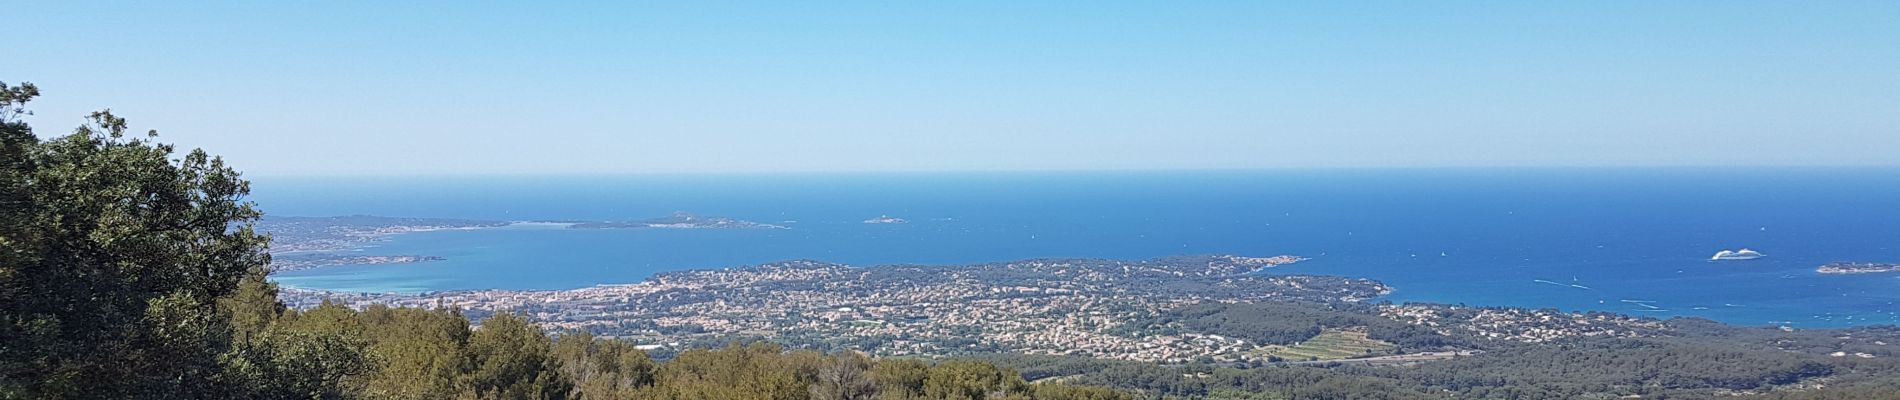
(333,88)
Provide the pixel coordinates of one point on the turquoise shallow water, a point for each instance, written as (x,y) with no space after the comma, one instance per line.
(1481,237)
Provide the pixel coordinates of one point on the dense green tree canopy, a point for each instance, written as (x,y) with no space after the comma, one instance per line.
(115,257)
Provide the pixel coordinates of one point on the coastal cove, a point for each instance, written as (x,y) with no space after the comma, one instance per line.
(1461,236)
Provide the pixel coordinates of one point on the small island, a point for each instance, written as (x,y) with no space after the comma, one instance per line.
(1844,268)
(886,219)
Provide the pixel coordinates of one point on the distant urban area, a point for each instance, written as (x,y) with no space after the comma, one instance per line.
(1216,308)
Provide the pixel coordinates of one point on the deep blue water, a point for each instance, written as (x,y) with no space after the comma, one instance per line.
(1627,234)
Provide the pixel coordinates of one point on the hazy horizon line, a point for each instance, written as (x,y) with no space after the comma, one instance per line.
(1792,167)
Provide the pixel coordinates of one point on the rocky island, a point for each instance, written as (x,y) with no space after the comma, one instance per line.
(1858,268)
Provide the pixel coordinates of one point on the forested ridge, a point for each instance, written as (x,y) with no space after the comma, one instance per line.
(128,270)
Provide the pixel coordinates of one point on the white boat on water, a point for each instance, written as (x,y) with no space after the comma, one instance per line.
(1732,255)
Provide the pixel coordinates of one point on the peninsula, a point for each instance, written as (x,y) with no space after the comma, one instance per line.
(679,220)
(294,262)
(351,232)
(299,243)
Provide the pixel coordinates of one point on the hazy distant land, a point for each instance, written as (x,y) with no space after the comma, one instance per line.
(679,220)
(299,243)
(339,233)
(295,262)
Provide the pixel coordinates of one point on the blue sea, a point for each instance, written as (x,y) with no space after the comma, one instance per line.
(1635,241)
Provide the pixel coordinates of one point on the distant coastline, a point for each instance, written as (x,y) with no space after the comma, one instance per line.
(302,243)
(1137,215)
(679,220)
(303,262)
(351,232)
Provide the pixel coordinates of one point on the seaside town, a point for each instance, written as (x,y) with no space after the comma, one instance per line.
(1055,307)
(1523,325)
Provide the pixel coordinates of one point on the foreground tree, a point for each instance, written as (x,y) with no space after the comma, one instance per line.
(421,352)
(510,359)
(602,369)
(115,257)
(846,376)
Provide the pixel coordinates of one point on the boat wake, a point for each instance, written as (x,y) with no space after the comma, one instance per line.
(1572,285)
